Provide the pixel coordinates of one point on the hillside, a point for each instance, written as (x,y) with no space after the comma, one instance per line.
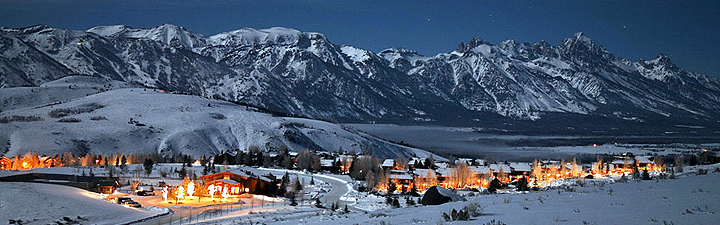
(141,120)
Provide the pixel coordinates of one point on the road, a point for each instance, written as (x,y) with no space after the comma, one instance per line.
(339,188)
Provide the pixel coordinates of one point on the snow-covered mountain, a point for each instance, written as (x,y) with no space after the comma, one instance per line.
(104,116)
(304,74)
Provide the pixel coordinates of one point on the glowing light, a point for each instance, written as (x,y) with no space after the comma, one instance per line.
(191,188)
(25,165)
(211,191)
(180,193)
(225,194)
(196,163)
(165,193)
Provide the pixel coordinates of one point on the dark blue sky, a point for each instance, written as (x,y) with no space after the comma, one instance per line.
(685,30)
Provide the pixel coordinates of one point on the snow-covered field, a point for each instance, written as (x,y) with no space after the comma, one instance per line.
(688,200)
(35,203)
(470,142)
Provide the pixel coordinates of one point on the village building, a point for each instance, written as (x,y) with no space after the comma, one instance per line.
(624,163)
(46,162)
(5,163)
(326,164)
(518,170)
(107,187)
(709,156)
(236,182)
(498,167)
(388,164)
(402,179)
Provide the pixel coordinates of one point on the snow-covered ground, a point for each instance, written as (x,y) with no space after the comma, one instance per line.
(688,200)
(116,118)
(36,203)
(471,142)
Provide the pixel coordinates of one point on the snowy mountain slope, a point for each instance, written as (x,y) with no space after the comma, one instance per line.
(141,120)
(57,91)
(131,59)
(167,34)
(23,65)
(303,73)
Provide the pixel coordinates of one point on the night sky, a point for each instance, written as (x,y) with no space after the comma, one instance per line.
(686,31)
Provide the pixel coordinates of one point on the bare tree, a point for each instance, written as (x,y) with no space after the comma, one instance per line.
(659,164)
(575,169)
(304,160)
(461,175)
(679,164)
(537,171)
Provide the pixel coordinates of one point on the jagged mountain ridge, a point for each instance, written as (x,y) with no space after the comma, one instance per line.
(303,73)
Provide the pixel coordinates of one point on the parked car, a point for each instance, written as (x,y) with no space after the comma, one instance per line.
(144,193)
(132,203)
(121,200)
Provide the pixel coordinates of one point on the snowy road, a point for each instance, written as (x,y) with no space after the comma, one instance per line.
(339,187)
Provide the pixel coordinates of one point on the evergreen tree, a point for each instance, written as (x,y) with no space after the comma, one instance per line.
(148,165)
(494,185)
(522,184)
(123,162)
(283,185)
(298,185)
(293,202)
(183,172)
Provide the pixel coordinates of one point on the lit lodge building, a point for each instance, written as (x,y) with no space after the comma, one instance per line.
(238,182)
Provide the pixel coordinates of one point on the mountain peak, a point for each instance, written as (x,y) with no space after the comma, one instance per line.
(474,42)
(579,38)
(663,60)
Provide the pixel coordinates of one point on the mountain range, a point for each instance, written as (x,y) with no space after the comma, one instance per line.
(303,74)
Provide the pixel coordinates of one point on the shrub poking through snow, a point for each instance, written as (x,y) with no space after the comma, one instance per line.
(69,120)
(7,119)
(474,209)
(470,210)
(457,215)
(217,116)
(84,108)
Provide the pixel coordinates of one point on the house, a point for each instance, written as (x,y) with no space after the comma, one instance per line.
(388,164)
(709,156)
(497,167)
(5,163)
(518,170)
(326,164)
(402,179)
(624,163)
(46,162)
(236,182)
(107,187)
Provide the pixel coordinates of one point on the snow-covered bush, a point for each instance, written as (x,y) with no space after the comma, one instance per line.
(7,119)
(84,108)
(474,209)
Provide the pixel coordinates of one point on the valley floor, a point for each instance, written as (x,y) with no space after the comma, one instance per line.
(688,200)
